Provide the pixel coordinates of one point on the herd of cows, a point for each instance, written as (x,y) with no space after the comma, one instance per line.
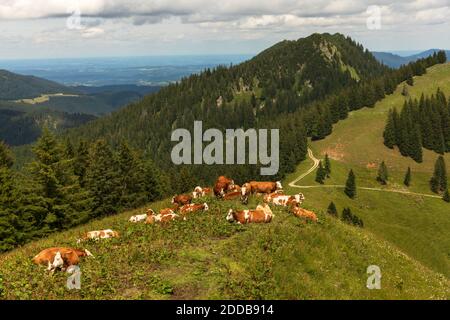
(61,258)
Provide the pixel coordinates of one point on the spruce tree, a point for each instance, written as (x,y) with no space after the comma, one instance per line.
(407,179)
(8,201)
(382,176)
(389,133)
(405,91)
(102,179)
(350,185)
(438,182)
(327,166)
(446,196)
(55,182)
(332,209)
(131,177)
(320,174)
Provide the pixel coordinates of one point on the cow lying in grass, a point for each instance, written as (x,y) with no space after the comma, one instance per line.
(303,213)
(236,195)
(191,208)
(161,218)
(262,214)
(138,218)
(182,199)
(97,235)
(222,186)
(60,257)
(200,192)
(284,200)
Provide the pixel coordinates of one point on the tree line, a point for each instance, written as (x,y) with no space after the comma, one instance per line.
(69,185)
(421,123)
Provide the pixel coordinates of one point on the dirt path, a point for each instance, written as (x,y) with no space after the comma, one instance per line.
(316,161)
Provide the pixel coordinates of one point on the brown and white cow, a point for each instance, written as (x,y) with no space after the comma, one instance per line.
(222,186)
(60,257)
(100,234)
(138,218)
(167,211)
(262,214)
(159,218)
(200,192)
(303,213)
(284,200)
(193,207)
(265,187)
(182,199)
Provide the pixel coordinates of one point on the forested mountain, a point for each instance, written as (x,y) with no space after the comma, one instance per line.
(122,160)
(19,128)
(301,87)
(14,86)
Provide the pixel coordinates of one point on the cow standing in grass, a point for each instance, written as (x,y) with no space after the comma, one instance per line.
(260,187)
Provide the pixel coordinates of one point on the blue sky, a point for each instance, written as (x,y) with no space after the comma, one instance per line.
(90,28)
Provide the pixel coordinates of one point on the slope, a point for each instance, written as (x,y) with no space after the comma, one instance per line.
(417,225)
(203,258)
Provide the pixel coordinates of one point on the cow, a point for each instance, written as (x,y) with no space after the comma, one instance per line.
(258,187)
(222,186)
(97,235)
(262,214)
(201,192)
(166,211)
(303,213)
(190,208)
(60,257)
(161,218)
(235,188)
(138,218)
(182,199)
(284,200)
(234,195)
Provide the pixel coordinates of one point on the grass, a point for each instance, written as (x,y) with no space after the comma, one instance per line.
(206,257)
(416,225)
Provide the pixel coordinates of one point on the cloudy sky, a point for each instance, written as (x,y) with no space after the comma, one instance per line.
(87,28)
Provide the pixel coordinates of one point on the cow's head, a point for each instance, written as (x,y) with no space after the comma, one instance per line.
(205,207)
(58,261)
(150,212)
(230,215)
(279,186)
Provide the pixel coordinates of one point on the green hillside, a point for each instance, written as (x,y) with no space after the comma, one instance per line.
(14,86)
(416,224)
(206,257)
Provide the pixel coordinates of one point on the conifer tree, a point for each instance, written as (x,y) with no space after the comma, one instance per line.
(438,182)
(390,131)
(332,209)
(8,201)
(320,174)
(382,176)
(407,179)
(405,91)
(102,179)
(55,182)
(446,196)
(350,185)
(327,166)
